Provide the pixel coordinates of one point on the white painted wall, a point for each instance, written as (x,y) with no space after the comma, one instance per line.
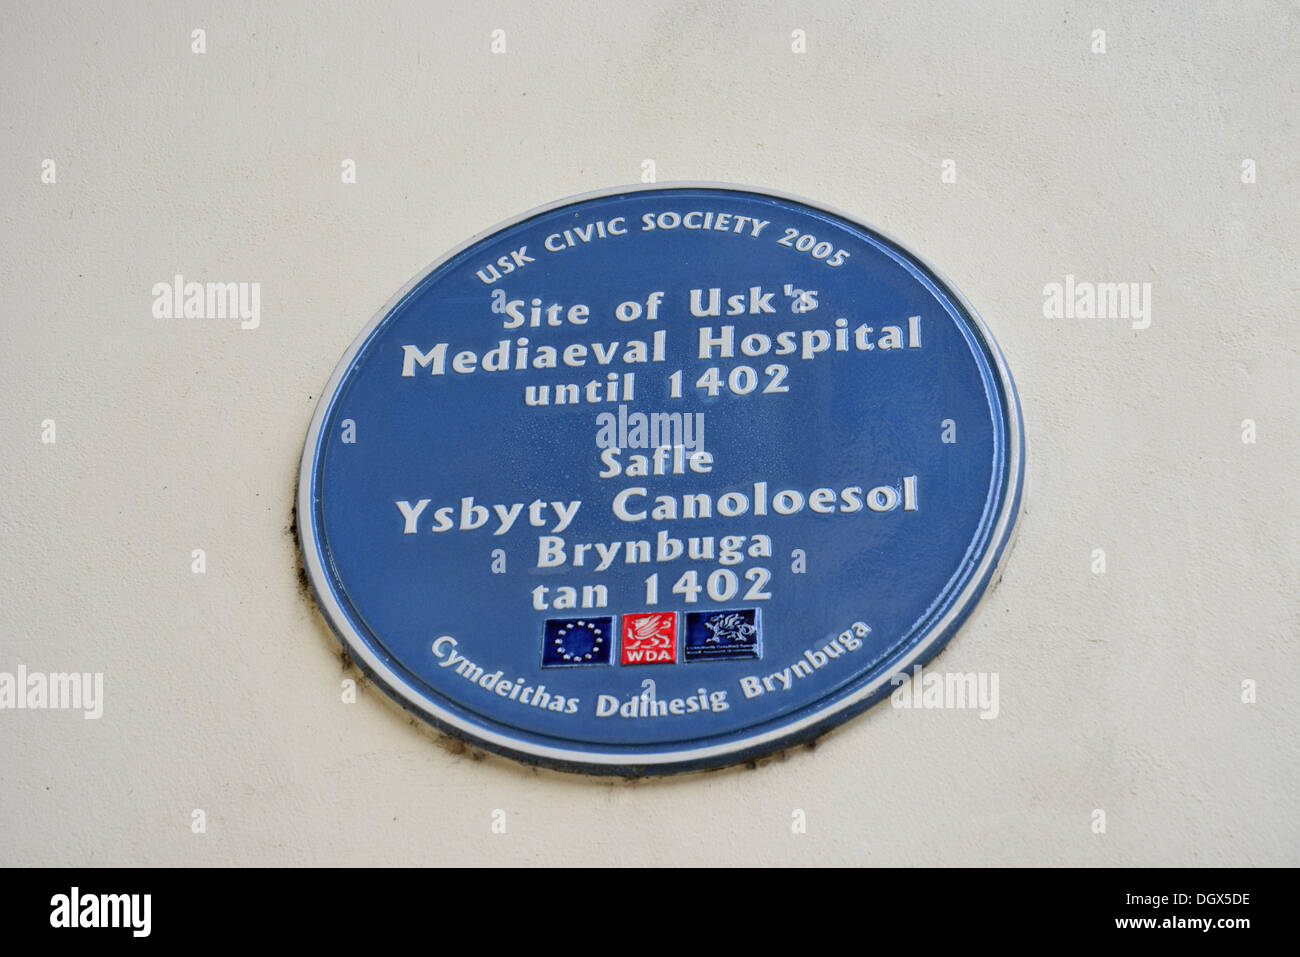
(1119,691)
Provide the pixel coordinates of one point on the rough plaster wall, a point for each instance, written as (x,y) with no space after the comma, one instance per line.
(1118,691)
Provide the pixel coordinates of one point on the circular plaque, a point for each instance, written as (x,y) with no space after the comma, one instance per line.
(660,478)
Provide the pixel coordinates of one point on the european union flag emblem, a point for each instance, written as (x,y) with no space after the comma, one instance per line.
(577,641)
(714,635)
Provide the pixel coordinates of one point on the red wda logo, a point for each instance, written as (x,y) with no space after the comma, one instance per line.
(650,638)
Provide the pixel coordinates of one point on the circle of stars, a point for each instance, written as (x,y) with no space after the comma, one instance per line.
(592,630)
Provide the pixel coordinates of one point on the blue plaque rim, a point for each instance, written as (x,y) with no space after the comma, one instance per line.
(838,705)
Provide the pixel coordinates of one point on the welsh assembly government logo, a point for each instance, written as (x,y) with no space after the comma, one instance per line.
(722,634)
(660,478)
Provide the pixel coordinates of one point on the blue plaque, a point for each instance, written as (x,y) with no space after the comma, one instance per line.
(660,478)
